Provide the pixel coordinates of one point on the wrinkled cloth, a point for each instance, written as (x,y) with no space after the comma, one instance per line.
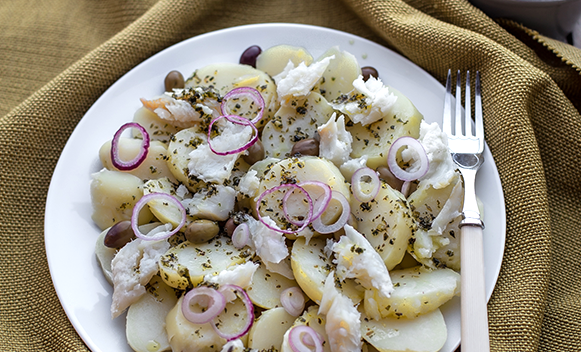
(57,57)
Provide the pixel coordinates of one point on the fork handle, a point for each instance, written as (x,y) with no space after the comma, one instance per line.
(473,294)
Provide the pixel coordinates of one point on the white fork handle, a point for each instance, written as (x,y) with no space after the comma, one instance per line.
(473,296)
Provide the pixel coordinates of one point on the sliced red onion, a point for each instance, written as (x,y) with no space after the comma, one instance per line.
(245,92)
(293,301)
(159,233)
(343,218)
(211,302)
(394,167)
(303,338)
(231,292)
(322,201)
(135,162)
(239,121)
(241,235)
(276,189)
(374,184)
(285,207)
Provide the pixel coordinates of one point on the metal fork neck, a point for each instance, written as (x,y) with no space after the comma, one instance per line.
(470,213)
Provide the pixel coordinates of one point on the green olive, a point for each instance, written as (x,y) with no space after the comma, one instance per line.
(174,79)
(201,231)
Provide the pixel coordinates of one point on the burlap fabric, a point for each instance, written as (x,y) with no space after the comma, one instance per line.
(57,57)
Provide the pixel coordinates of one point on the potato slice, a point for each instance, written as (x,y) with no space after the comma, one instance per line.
(164,212)
(268,330)
(113,196)
(386,222)
(426,333)
(311,318)
(145,327)
(274,59)
(104,256)
(267,287)
(311,267)
(293,123)
(340,74)
(227,76)
(187,263)
(374,140)
(417,291)
(157,128)
(178,152)
(431,249)
(185,336)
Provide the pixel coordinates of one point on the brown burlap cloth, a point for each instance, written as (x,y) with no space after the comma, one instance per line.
(57,57)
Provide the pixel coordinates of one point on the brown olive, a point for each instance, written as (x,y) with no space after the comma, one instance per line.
(255,153)
(200,231)
(309,146)
(230,226)
(387,176)
(249,55)
(369,71)
(174,79)
(119,234)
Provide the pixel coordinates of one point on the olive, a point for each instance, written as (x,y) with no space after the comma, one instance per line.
(174,79)
(230,226)
(249,55)
(387,176)
(309,146)
(119,234)
(200,231)
(255,153)
(369,71)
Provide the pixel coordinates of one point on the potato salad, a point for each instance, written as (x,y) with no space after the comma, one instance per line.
(279,203)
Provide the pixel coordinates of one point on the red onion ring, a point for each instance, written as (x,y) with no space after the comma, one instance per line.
(241,235)
(293,301)
(239,121)
(231,292)
(214,307)
(163,234)
(242,92)
(322,201)
(276,189)
(394,167)
(302,337)
(135,162)
(322,228)
(356,180)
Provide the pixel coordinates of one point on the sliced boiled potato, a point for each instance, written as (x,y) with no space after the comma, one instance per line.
(428,248)
(374,140)
(274,59)
(293,123)
(178,152)
(311,267)
(185,336)
(417,291)
(268,330)
(226,76)
(386,222)
(155,163)
(187,263)
(340,74)
(104,256)
(267,287)
(113,196)
(157,128)
(313,319)
(426,333)
(163,211)
(146,318)
(291,170)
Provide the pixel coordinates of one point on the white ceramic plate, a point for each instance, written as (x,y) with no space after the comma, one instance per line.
(70,233)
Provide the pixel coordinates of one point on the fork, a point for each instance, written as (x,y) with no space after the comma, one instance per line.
(466,145)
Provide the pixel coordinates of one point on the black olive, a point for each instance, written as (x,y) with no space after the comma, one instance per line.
(119,234)
(369,71)
(249,55)
(174,79)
